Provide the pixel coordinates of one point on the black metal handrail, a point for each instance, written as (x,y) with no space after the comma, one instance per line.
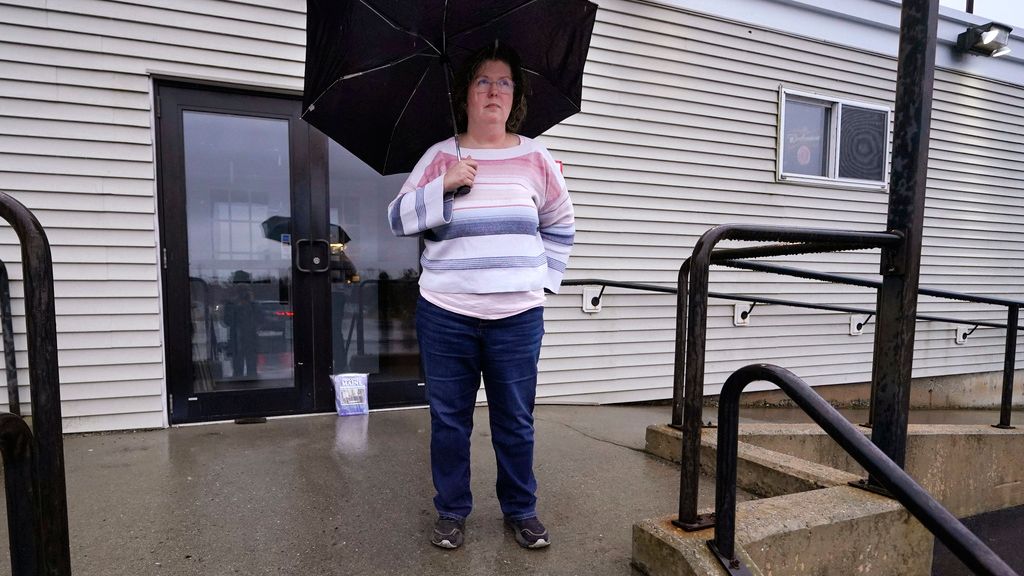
(7,325)
(1012,316)
(775,301)
(939,521)
(19,486)
(691,326)
(48,491)
(692,297)
(858,281)
(1011,325)
(691,319)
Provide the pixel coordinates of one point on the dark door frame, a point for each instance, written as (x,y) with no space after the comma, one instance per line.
(307,164)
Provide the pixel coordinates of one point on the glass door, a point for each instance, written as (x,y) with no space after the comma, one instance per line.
(238,212)
(236,227)
(279,268)
(373,283)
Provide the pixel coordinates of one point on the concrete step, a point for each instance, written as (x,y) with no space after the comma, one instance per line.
(810,521)
(833,531)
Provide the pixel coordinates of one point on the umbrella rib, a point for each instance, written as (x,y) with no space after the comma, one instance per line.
(493,20)
(395,25)
(386,65)
(361,72)
(444,26)
(559,92)
(394,127)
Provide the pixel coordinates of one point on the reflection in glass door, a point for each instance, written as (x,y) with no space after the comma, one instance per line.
(279,267)
(237,197)
(374,283)
(239,255)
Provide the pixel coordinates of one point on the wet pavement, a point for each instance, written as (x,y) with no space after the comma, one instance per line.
(1000,530)
(323,495)
(328,495)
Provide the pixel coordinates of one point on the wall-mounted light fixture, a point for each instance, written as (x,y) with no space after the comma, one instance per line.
(990,39)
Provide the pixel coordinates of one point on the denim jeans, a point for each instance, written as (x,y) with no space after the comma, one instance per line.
(456,350)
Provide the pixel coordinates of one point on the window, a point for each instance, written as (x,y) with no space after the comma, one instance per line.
(829,141)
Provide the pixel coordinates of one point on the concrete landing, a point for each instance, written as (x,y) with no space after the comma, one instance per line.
(324,495)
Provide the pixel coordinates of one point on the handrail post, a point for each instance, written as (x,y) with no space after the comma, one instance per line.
(41,327)
(897,298)
(967,547)
(679,370)
(10,359)
(725,471)
(22,506)
(723,546)
(1009,361)
(696,330)
(693,385)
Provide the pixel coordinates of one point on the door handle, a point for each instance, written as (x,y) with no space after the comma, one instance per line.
(321,263)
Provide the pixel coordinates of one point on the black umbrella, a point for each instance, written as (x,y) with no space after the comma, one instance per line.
(277,226)
(378,72)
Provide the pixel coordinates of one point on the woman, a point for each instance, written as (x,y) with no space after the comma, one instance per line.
(488,257)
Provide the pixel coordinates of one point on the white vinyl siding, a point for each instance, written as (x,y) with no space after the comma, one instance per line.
(678,134)
(76,147)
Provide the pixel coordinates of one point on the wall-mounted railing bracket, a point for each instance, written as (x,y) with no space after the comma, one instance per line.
(592,298)
(962,333)
(861,325)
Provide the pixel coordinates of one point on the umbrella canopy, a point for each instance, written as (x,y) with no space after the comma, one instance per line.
(376,69)
(277,226)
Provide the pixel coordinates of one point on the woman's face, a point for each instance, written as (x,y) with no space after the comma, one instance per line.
(491,92)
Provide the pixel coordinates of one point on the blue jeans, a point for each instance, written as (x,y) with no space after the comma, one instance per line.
(456,350)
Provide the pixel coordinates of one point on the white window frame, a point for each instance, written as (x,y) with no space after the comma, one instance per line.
(835,121)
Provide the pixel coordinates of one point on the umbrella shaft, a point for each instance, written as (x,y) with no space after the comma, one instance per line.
(451,107)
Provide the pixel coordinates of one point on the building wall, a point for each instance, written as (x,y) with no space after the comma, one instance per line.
(677,134)
(77,147)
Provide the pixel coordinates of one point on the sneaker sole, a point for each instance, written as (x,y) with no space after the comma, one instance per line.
(446,544)
(542,543)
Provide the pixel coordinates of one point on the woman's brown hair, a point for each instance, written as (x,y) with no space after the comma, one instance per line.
(502,53)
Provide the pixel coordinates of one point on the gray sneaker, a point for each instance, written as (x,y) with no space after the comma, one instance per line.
(448,532)
(530,533)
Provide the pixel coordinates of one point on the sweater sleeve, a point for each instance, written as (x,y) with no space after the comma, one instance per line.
(557,224)
(422,204)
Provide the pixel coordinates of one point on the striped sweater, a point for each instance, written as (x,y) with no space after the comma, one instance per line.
(511,233)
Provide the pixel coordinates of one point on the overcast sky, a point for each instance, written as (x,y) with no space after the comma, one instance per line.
(1005,11)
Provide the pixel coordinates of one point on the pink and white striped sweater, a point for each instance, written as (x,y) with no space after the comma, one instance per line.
(511,233)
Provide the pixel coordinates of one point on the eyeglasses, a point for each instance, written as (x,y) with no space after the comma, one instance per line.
(483,85)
